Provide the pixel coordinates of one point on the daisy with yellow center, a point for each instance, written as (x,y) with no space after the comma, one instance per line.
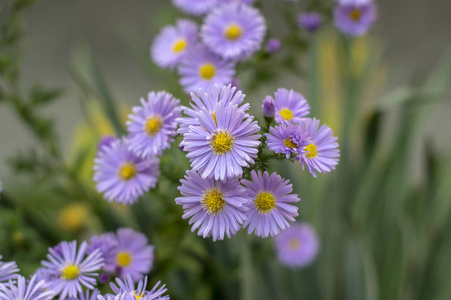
(233,32)
(213,201)
(207,71)
(180,45)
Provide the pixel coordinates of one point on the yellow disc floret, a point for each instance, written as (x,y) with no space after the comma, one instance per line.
(207,71)
(286,114)
(265,202)
(233,32)
(289,143)
(213,201)
(310,151)
(124,259)
(153,125)
(222,142)
(70,272)
(355,14)
(127,171)
(294,244)
(179,45)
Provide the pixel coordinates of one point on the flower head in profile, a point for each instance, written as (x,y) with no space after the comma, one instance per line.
(127,287)
(297,246)
(133,255)
(121,175)
(223,144)
(234,30)
(354,19)
(321,152)
(21,290)
(152,125)
(286,138)
(271,205)
(290,106)
(8,270)
(195,7)
(310,21)
(216,208)
(73,269)
(201,69)
(172,44)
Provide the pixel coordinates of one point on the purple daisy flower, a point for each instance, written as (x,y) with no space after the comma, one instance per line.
(133,255)
(8,270)
(172,44)
(139,291)
(107,244)
(271,206)
(20,290)
(209,99)
(290,106)
(201,69)
(310,21)
(216,208)
(121,175)
(234,30)
(152,125)
(223,143)
(72,269)
(287,138)
(195,7)
(321,153)
(354,19)
(297,246)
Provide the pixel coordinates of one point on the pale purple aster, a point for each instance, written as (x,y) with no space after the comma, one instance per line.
(321,152)
(21,290)
(354,2)
(353,19)
(273,45)
(139,291)
(121,175)
(268,107)
(202,69)
(209,99)
(223,144)
(73,270)
(195,7)
(48,276)
(152,125)
(234,31)
(133,255)
(87,295)
(107,244)
(271,206)
(217,208)
(8,270)
(290,106)
(310,21)
(173,42)
(286,138)
(297,246)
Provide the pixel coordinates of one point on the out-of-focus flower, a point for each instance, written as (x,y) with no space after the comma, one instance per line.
(8,270)
(121,175)
(297,246)
(354,19)
(310,21)
(234,30)
(215,207)
(354,2)
(107,244)
(73,217)
(127,287)
(321,153)
(20,290)
(152,125)
(271,204)
(268,107)
(172,44)
(273,46)
(202,69)
(287,138)
(241,1)
(106,141)
(290,106)
(73,269)
(223,144)
(195,7)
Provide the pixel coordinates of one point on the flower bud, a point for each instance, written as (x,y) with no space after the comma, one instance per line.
(269,108)
(272,46)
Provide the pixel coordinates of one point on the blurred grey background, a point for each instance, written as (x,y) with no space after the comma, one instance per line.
(413,33)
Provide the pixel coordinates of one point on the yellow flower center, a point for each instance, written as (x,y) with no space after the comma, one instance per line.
(265,202)
(70,272)
(179,45)
(127,171)
(233,32)
(207,71)
(310,151)
(294,244)
(124,259)
(213,201)
(153,125)
(355,14)
(138,295)
(286,114)
(289,143)
(222,142)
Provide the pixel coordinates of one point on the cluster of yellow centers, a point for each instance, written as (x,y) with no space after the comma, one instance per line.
(233,32)
(286,114)
(355,14)
(222,142)
(207,71)
(153,125)
(289,143)
(127,171)
(179,45)
(70,272)
(310,151)
(213,201)
(265,202)
(124,259)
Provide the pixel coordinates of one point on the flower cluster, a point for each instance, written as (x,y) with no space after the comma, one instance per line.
(232,31)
